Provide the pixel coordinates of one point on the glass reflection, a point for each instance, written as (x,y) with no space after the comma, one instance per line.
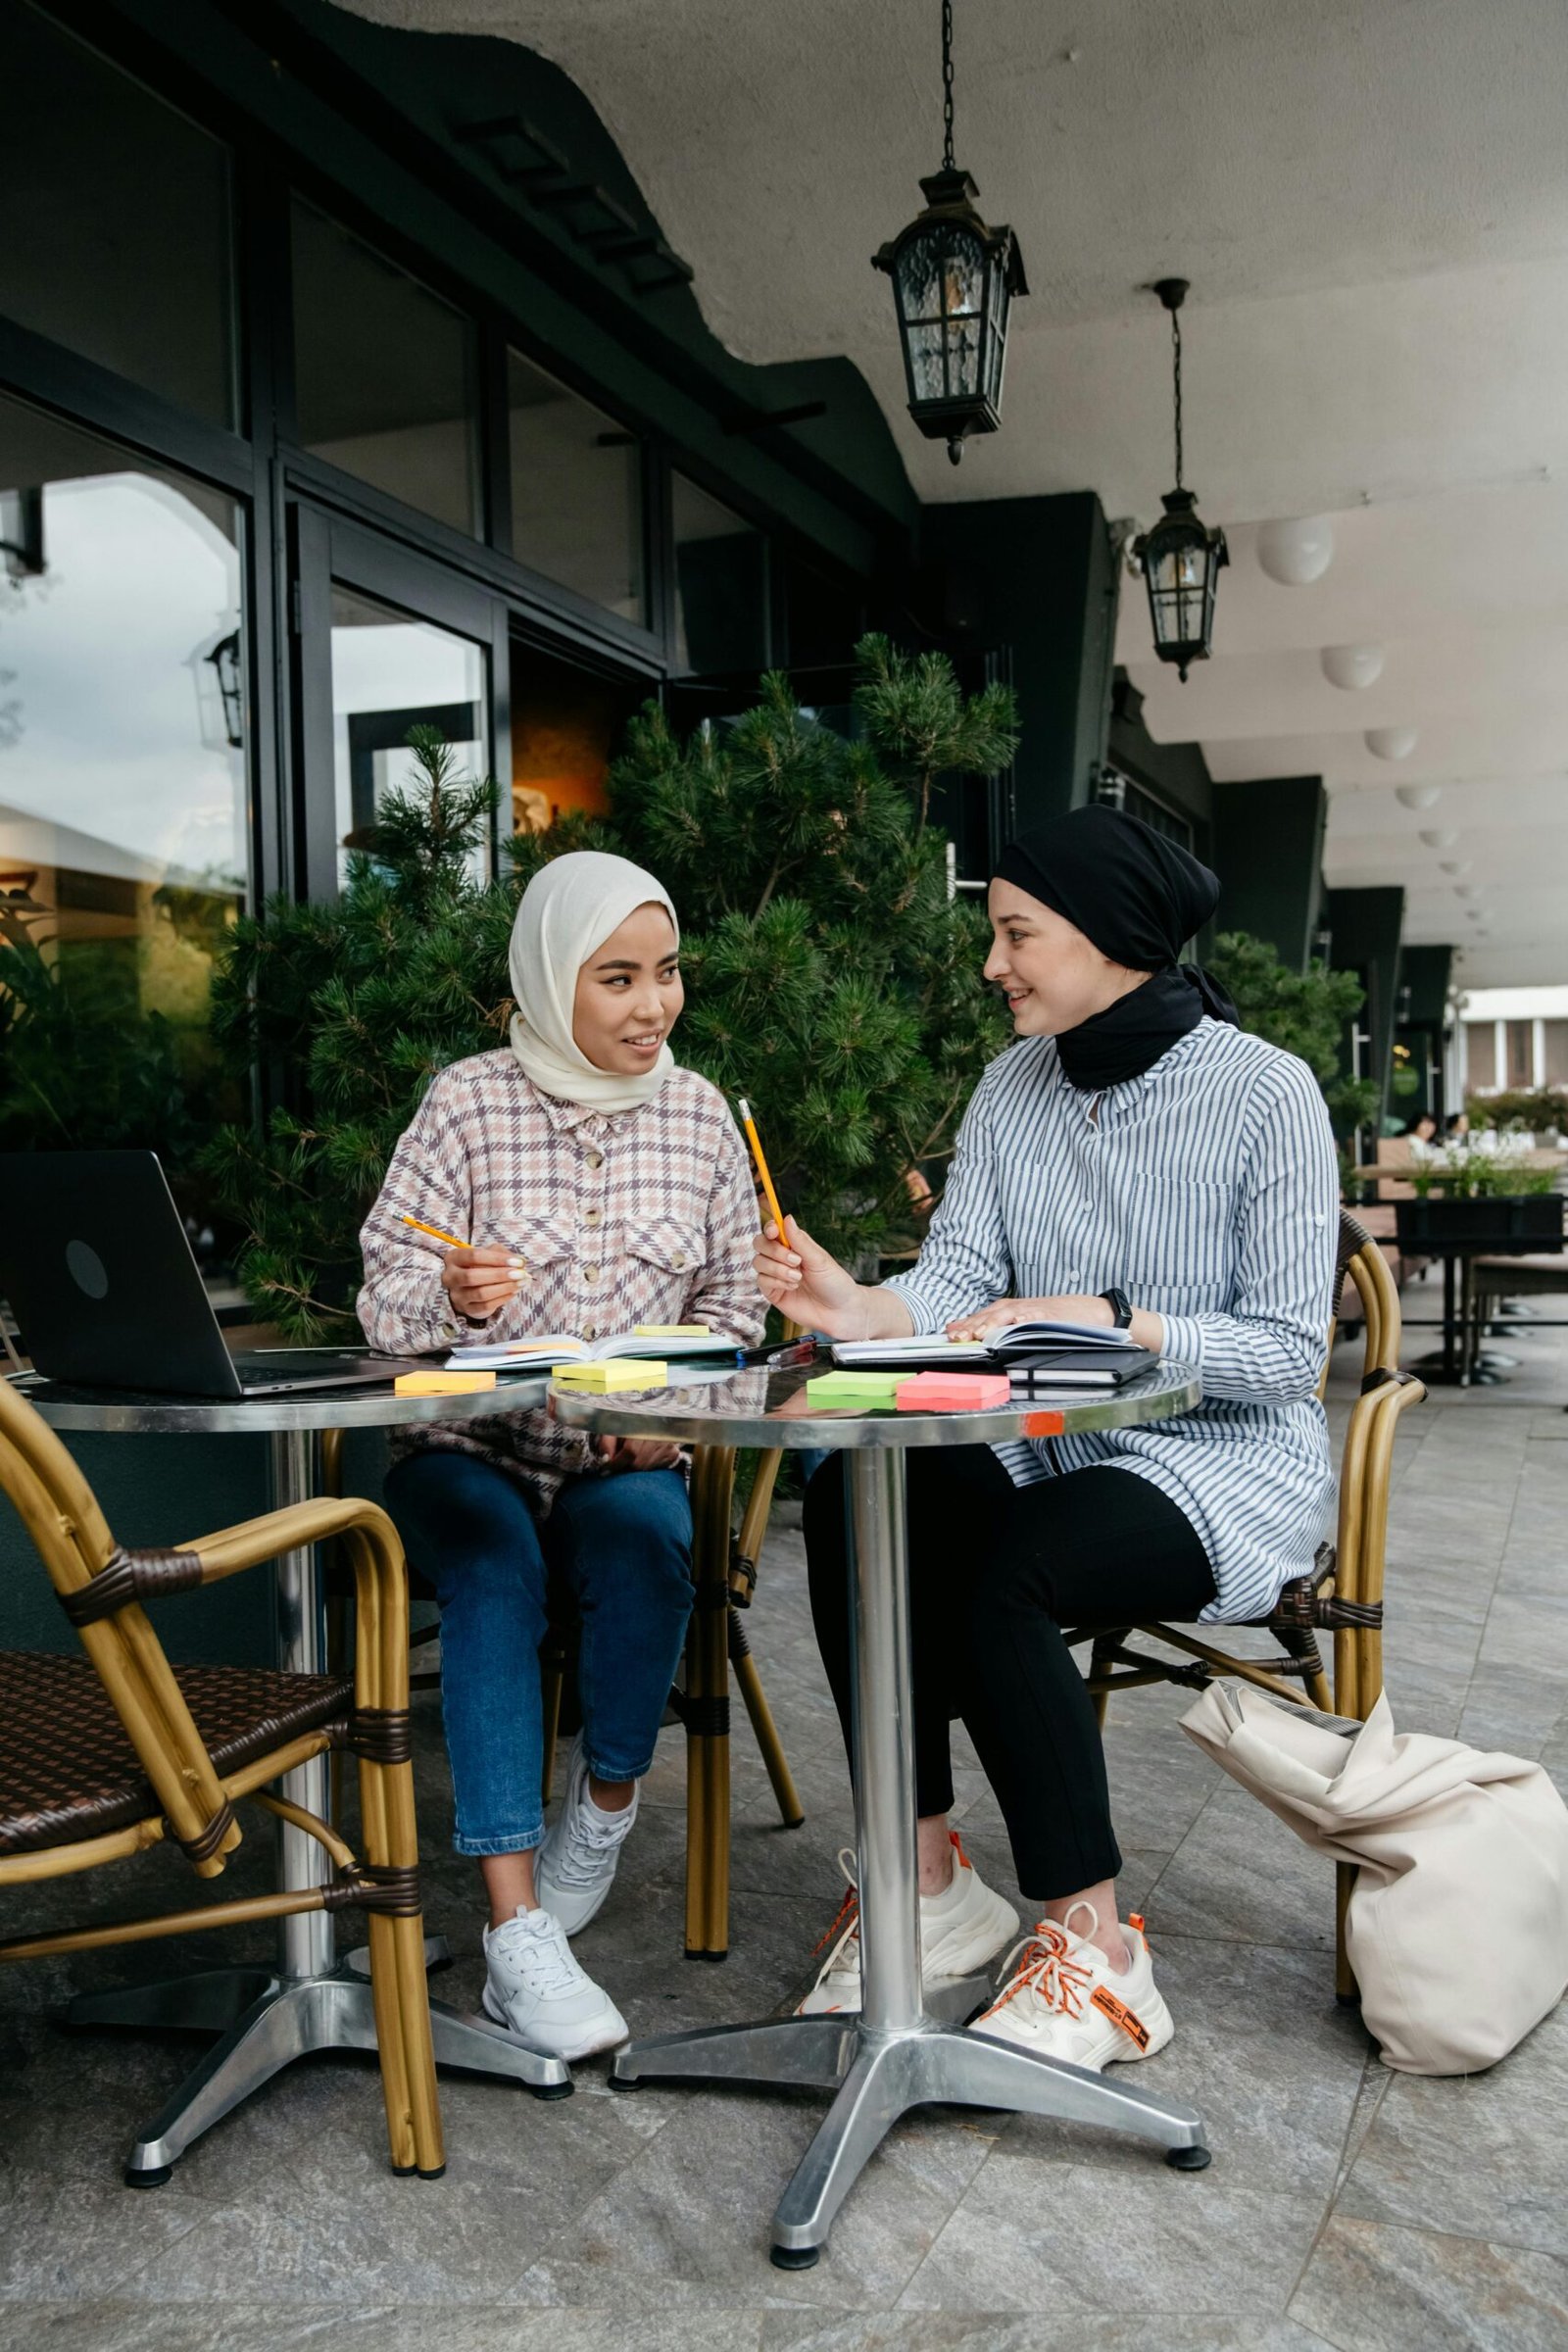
(124,817)
(384,373)
(391,673)
(576,492)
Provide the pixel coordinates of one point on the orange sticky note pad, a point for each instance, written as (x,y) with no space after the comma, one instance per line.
(1042,1425)
(442,1384)
(952,1392)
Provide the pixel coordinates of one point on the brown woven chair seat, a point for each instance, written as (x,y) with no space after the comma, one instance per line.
(67,1771)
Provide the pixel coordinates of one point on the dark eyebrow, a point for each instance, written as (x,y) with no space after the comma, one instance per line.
(1009,921)
(629,964)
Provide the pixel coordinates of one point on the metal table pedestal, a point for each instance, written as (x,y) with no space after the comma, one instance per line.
(895,2054)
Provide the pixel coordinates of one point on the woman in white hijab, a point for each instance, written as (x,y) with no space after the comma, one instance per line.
(597,1186)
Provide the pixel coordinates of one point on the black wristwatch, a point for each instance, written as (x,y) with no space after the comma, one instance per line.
(1121,1308)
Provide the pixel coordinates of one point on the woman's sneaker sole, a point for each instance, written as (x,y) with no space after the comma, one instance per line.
(598,2037)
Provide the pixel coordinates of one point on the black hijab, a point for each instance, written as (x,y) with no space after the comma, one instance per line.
(1137,897)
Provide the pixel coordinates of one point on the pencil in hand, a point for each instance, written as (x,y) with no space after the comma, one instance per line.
(763,1177)
(518,1264)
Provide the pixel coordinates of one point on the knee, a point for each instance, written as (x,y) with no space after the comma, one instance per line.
(640,1539)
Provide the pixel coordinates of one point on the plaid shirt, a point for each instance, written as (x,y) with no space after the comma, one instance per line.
(643,1216)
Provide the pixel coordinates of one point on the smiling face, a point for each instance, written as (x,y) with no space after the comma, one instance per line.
(629,994)
(1051,976)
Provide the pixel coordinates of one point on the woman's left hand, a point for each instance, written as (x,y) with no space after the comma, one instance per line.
(639,1453)
(1080,1307)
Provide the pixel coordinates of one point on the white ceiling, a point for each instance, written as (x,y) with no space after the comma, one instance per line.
(1371,200)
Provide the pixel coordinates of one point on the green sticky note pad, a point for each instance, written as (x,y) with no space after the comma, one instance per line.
(854,1388)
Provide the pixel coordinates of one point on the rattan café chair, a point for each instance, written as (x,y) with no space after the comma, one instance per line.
(103,1756)
(1341,1594)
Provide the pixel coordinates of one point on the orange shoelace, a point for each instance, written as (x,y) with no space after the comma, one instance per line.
(1046,1970)
(847,1915)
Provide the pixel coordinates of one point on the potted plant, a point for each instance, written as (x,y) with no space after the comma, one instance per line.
(1478,1189)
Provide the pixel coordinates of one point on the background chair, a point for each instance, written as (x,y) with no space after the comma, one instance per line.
(104,1756)
(724,1578)
(1342,1591)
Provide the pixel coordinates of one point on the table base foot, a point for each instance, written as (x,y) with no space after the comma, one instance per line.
(264,2023)
(878,2077)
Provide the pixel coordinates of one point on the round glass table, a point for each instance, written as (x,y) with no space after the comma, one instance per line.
(310,2000)
(897,2052)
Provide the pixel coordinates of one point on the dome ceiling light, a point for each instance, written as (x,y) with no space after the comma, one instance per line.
(1296,551)
(1182,559)
(1391,743)
(1443,836)
(953,280)
(1467,890)
(1353,668)
(1455,866)
(1418,795)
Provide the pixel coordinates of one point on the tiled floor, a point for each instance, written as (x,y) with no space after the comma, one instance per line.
(1347,2206)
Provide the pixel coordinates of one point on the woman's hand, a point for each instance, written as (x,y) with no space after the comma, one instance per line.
(478,1281)
(807,1285)
(987,1320)
(638,1454)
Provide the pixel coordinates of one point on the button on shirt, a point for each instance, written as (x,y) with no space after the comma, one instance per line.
(641,1216)
(1209,1191)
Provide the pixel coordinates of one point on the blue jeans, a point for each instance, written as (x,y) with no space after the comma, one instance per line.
(623,1544)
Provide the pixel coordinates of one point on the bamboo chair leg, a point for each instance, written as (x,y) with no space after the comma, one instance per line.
(551,1681)
(1100,1662)
(765,1729)
(708,1709)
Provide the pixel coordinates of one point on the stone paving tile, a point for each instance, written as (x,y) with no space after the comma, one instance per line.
(1001,2331)
(1046,2236)
(1370,2287)
(1485,2155)
(214,2326)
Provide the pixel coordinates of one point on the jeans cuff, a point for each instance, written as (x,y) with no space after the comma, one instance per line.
(616,1771)
(520,1842)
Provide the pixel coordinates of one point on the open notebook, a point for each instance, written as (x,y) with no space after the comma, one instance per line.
(1067,1355)
(564,1347)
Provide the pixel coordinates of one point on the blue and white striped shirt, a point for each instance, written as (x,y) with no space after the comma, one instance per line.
(1209,1191)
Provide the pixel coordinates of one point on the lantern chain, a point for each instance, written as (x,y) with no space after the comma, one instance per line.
(947,86)
(1176,375)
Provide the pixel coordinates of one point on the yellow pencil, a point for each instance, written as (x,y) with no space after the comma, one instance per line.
(766,1181)
(437,1235)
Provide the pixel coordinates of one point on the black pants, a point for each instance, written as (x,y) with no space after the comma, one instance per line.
(994,1573)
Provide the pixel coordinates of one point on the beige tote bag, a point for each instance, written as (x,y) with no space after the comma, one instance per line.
(1458,1922)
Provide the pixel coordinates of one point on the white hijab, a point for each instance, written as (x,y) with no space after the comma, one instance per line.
(571,906)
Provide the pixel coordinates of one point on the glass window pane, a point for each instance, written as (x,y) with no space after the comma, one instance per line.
(576,492)
(567,726)
(117,220)
(1480,1052)
(391,673)
(384,373)
(720,585)
(123,797)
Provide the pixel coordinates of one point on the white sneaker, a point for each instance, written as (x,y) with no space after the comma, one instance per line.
(1065,2000)
(535,1988)
(577,1863)
(962,1931)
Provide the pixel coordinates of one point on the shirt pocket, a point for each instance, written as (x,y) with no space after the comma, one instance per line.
(541,1242)
(1176,1240)
(667,1246)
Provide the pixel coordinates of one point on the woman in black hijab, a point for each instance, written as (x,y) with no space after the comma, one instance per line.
(1134,1160)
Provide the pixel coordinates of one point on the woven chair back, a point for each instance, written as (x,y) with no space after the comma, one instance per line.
(61,1513)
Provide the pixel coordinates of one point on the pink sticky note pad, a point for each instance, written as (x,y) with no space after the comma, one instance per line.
(952,1392)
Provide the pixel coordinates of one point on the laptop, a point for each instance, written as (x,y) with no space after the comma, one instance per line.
(97,1266)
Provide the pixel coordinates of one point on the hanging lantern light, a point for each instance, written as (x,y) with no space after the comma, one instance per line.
(953,280)
(1180,557)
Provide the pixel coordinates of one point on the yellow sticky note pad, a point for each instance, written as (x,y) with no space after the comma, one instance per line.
(671,1331)
(442,1384)
(625,1373)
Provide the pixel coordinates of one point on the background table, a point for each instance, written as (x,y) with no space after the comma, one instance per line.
(308,2001)
(896,2053)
